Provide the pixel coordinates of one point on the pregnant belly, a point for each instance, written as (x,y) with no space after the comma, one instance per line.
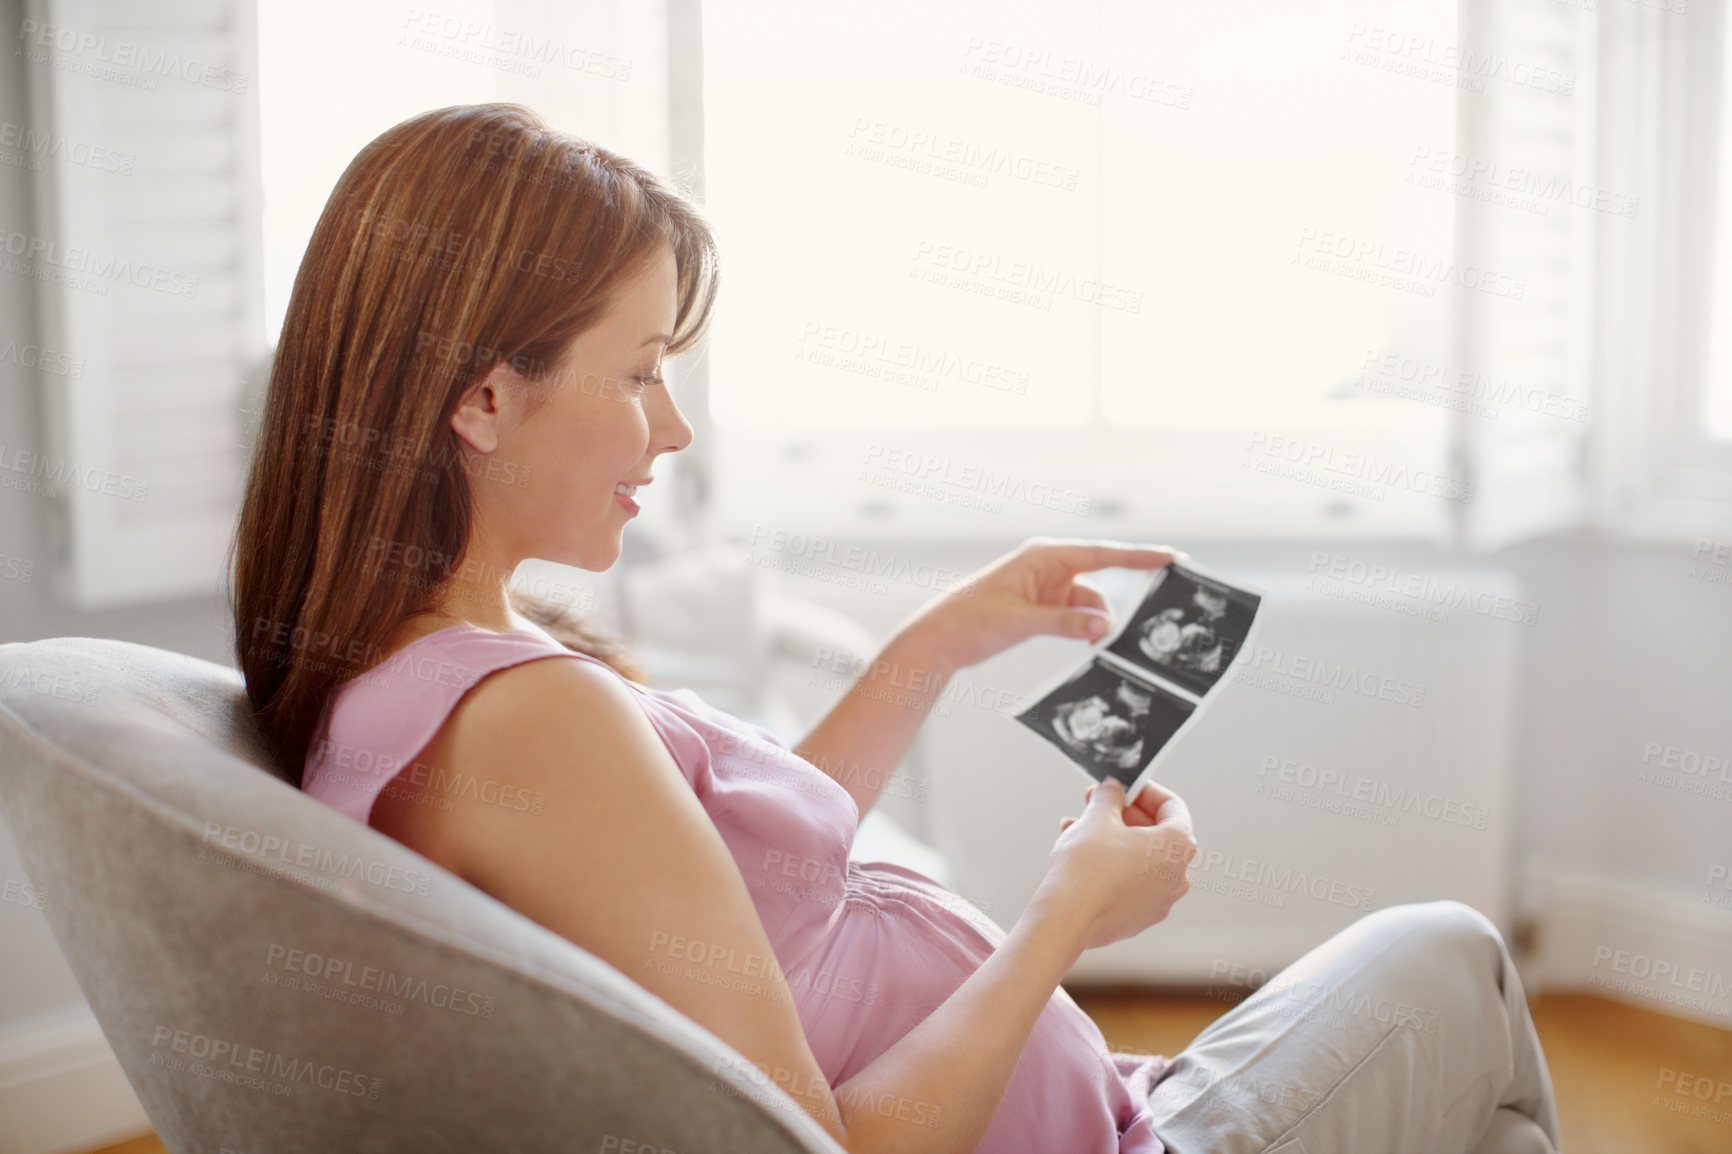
(895,949)
(900,947)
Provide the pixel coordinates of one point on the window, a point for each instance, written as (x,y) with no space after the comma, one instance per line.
(1195,268)
(150,276)
(335,74)
(1108,212)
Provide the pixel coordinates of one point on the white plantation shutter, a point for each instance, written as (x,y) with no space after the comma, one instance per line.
(154,278)
(1527,361)
(1659,475)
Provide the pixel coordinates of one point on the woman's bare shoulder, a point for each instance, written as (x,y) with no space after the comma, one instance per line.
(537,697)
(513,737)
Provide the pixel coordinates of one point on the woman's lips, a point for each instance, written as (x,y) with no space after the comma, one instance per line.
(625,490)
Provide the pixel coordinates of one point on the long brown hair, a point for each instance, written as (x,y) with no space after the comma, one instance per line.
(459,239)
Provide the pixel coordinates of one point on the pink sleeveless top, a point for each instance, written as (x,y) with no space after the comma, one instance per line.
(869,948)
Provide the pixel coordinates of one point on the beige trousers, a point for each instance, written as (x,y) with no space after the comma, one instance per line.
(1405,1033)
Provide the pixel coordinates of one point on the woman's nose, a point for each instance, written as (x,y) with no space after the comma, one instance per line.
(671,431)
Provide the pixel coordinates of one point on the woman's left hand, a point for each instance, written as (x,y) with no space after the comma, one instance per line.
(1034,589)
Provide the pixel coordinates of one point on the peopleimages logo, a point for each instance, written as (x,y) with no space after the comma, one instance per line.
(1037,69)
(1547,187)
(268,846)
(1315,671)
(152,59)
(1397,374)
(65,687)
(1424,57)
(18,464)
(225,1060)
(983,268)
(862,559)
(1425,588)
(1366,473)
(1661,972)
(42,359)
(1686,770)
(36,145)
(428,28)
(924,362)
(974,479)
(1213,867)
(1377,794)
(1389,266)
(1315,993)
(376,980)
(76,259)
(882,140)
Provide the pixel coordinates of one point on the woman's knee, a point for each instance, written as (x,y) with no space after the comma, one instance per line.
(1458,925)
(1456,941)
(1444,924)
(1442,936)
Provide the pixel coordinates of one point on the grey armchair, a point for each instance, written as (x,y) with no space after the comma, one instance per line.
(276,978)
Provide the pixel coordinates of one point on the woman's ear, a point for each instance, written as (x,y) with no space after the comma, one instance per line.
(480,416)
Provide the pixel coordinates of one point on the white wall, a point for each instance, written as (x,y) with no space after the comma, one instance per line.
(1633,653)
(1628,650)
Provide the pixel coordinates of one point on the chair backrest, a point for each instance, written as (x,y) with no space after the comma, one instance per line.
(276,977)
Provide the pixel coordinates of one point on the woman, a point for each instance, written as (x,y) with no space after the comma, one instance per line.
(470,374)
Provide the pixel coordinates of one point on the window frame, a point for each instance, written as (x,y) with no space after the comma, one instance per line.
(1658,475)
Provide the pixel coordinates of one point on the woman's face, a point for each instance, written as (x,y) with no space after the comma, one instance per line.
(607,417)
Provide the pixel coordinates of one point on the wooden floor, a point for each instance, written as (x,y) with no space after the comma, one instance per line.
(1607,1060)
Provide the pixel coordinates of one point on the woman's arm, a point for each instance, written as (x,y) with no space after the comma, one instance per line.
(1036,588)
(865,735)
(623,861)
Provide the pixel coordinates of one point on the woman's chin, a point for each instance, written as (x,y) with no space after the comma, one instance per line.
(595,556)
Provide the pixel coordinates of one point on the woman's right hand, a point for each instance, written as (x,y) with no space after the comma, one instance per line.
(1121,867)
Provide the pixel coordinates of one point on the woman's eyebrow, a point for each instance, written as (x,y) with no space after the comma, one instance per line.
(656,338)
